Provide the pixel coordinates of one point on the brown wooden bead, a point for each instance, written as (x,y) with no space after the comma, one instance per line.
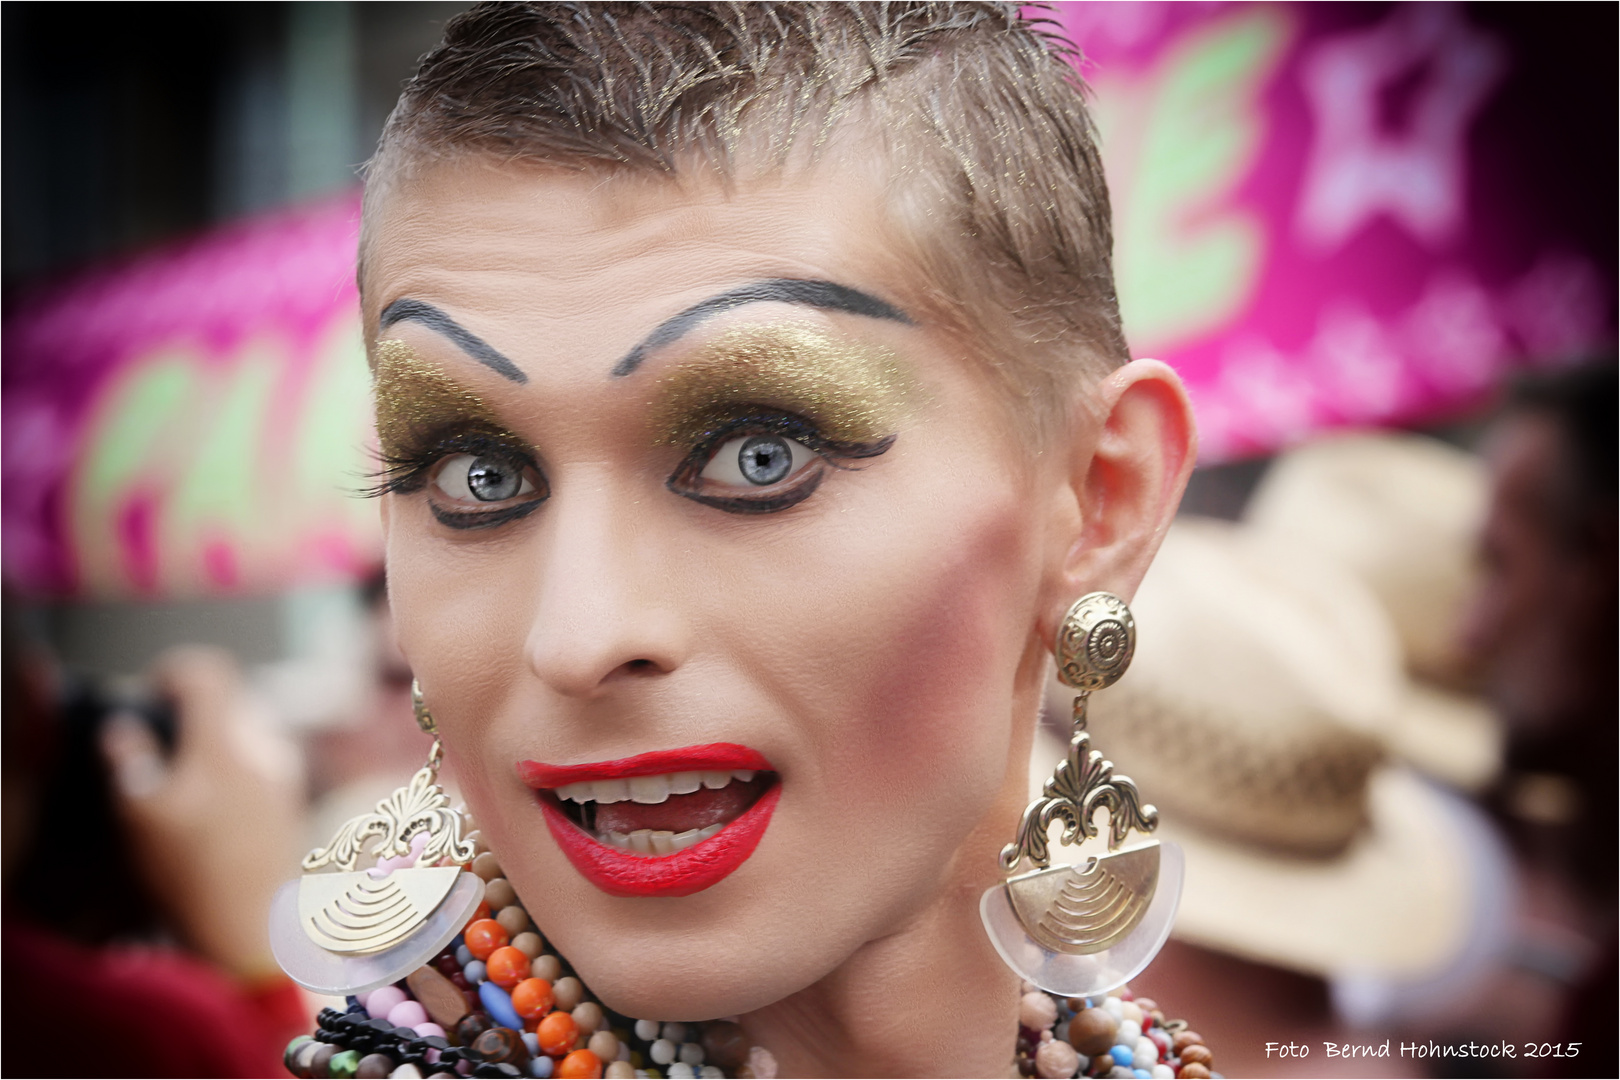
(529,944)
(546,967)
(500,1044)
(1184,1039)
(1092,1031)
(1197,1054)
(588,1015)
(513,919)
(1101,1064)
(487,867)
(1193,1072)
(443,1000)
(500,894)
(374,1067)
(567,993)
(471,1026)
(725,1046)
(318,1061)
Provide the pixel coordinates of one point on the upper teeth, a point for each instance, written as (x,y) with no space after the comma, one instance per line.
(649,789)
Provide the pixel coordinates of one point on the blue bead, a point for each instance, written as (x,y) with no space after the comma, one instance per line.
(1143,1074)
(498,1003)
(540,1067)
(1122,1055)
(475,972)
(463,956)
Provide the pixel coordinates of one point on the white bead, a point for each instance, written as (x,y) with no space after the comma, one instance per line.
(681,1071)
(675,1032)
(691,1054)
(406,1071)
(1144,1055)
(1114,1007)
(711,1072)
(1127,1034)
(1163,1072)
(662,1052)
(646,1030)
(1130,1010)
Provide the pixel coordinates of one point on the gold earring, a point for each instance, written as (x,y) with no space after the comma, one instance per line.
(1081,930)
(349,930)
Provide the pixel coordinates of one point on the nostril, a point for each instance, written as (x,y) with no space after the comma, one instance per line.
(641,667)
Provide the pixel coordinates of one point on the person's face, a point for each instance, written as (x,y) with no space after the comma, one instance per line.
(1531,618)
(793,536)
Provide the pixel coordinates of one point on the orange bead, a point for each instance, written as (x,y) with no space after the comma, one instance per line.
(482,911)
(531,998)
(580,1065)
(558,1033)
(483,937)
(507,966)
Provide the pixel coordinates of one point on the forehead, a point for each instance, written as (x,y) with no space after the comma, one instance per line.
(561,253)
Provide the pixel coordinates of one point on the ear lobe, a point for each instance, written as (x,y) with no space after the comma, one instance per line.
(1127,481)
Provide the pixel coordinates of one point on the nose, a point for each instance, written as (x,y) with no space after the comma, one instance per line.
(603,612)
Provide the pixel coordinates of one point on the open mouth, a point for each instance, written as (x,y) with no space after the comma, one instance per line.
(668,823)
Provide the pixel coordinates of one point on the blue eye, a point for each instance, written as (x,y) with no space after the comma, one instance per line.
(472,478)
(757,461)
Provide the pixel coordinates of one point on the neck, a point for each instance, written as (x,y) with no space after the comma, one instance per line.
(931,999)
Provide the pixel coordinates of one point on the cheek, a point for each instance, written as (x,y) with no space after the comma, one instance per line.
(921,705)
(461,617)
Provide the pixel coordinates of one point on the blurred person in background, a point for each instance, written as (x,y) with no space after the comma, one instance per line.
(138,871)
(1542,633)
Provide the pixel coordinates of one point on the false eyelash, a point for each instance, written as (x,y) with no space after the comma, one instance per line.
(408,471)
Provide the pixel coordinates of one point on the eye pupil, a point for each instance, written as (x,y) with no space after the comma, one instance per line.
(492,481)
(765,459)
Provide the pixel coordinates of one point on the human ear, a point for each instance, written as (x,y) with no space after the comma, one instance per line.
(1133,448)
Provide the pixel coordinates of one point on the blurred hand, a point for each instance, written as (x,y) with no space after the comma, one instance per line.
(216,828)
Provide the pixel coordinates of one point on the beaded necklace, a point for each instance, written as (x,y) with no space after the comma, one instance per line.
(498,1002)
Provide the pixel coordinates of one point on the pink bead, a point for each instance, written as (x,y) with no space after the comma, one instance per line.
(428,1030)
(407,1014)
(382,1001)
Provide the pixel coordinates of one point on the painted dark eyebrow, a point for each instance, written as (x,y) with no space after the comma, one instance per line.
(469,342)
(826,295)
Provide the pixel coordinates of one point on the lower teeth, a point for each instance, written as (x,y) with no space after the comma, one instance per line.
(660,842)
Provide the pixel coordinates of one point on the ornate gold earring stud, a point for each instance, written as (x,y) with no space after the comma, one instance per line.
(348,930)
(1082,929)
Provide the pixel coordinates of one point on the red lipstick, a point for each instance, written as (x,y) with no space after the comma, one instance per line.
(622,873)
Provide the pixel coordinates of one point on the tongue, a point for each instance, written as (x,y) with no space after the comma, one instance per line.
(678,813)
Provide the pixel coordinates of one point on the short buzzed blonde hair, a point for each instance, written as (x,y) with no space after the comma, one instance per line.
(983,108)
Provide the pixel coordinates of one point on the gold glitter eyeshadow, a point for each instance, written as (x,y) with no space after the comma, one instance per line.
(852,392)
(413,398)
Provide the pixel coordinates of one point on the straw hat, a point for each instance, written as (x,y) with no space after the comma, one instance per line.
(1255,716)
(1402,513)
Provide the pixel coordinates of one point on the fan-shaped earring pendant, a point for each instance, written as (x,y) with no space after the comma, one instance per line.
(345,931)
(1085,929)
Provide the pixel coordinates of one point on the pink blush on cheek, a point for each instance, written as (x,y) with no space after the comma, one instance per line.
(952,656)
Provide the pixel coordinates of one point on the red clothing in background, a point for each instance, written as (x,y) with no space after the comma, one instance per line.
(136,1011)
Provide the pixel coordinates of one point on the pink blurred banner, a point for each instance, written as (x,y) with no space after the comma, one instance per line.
(194,422)
(1312,221)
(1307,222)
